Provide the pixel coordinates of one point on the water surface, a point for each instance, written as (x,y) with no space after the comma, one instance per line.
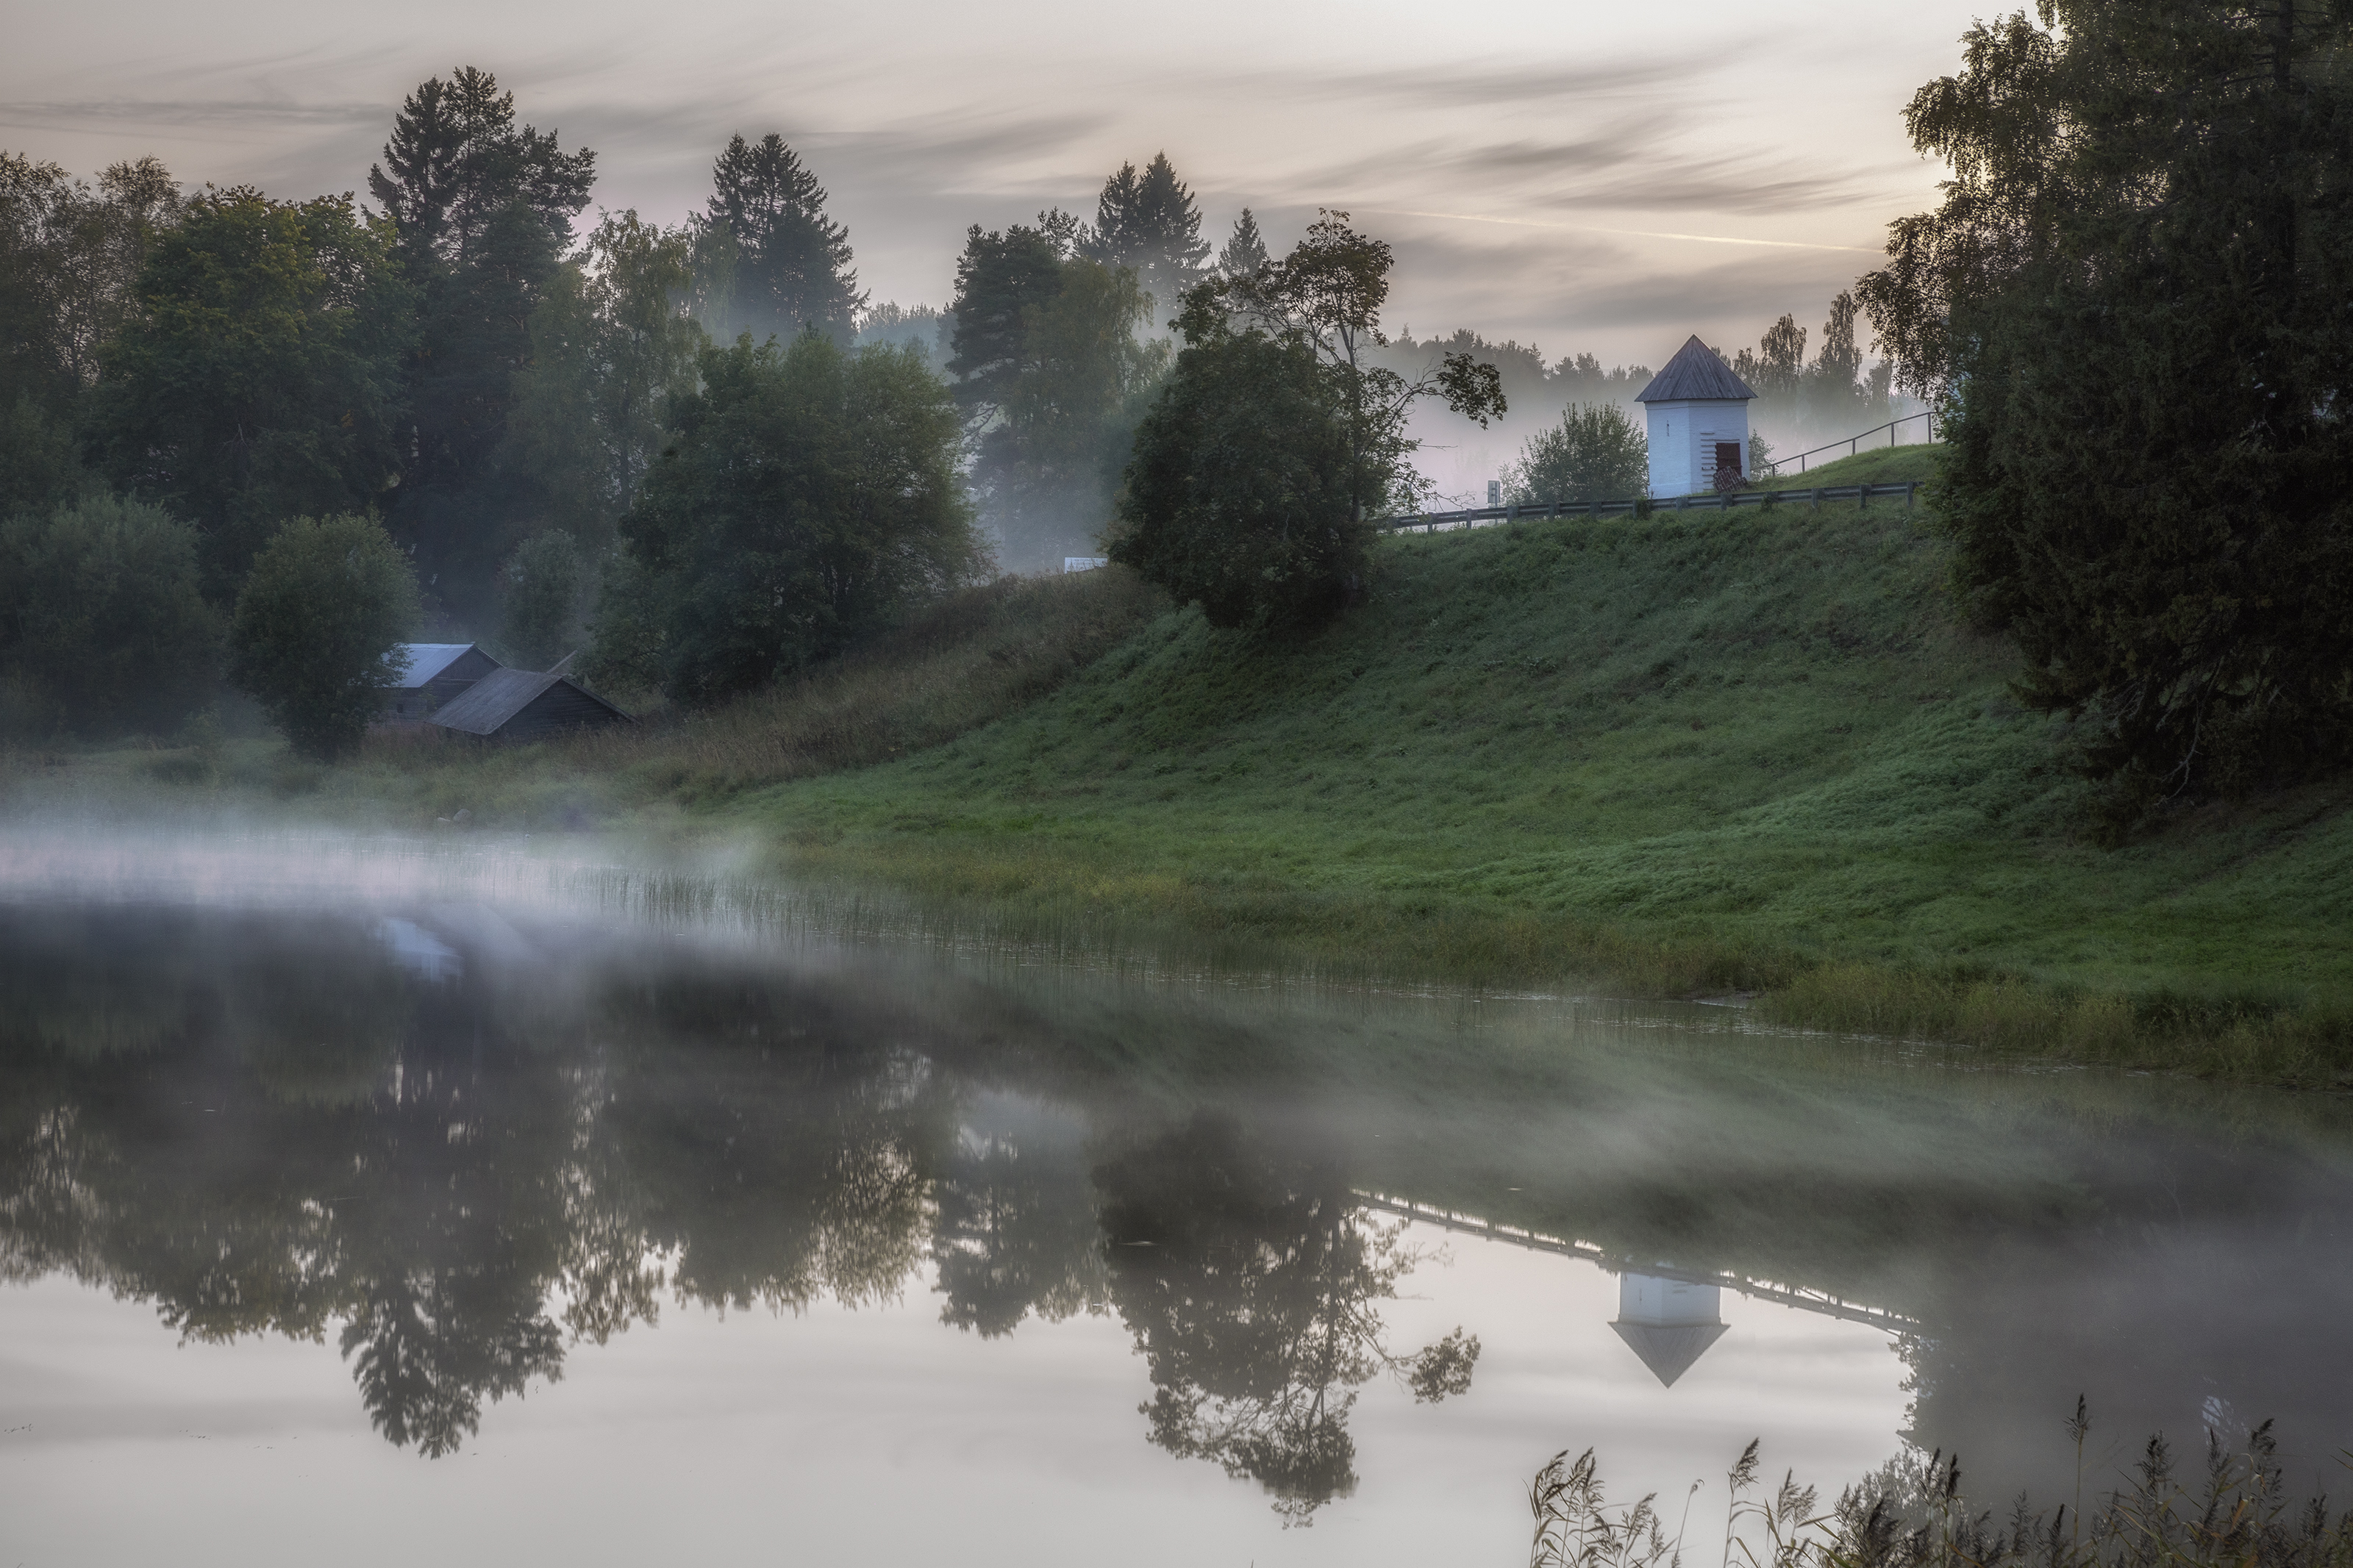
(454,1203)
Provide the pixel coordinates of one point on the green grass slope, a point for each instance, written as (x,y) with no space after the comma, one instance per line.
(1698,751)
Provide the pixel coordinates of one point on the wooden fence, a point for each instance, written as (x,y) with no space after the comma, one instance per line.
(1723,501)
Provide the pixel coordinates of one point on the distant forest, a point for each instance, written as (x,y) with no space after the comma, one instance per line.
(458,354)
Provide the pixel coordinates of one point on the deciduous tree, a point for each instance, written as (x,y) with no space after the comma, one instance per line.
(326,602)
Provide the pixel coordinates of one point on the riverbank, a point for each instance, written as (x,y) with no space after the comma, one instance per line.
(1694,755)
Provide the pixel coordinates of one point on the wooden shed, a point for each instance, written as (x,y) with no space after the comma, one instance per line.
(436,672)
(521,705)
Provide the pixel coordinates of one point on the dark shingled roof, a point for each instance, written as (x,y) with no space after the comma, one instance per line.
(1695,375)
(491,704)
(1670,1349)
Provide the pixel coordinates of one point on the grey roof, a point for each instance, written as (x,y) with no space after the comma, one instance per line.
(1695,375)
(428,660)
(1668,1348)
(484,708)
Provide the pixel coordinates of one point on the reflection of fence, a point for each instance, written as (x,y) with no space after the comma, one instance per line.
(1723,500)
(1798,1296)
(1853,444)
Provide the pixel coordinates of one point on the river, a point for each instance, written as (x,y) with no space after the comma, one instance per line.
(383,1201)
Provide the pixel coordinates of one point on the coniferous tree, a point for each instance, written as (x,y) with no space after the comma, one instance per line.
(483,210)
(1245,249)
(2133,301)
(1147,222)
(788,262)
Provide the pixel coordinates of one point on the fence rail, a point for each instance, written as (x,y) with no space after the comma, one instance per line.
(1723,501)
(1853,444)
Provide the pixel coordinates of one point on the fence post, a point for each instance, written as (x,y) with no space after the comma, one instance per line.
(1908,490)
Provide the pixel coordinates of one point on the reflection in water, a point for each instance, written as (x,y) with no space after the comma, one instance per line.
(1669,1324)
(459,1150)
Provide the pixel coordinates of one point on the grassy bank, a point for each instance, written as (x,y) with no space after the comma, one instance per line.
(1695,754)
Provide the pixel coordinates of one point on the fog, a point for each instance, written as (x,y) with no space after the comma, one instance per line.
(1589,178)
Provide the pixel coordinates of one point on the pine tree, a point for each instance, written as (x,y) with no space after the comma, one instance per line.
(1245,250)
(1148,222)
(791,263)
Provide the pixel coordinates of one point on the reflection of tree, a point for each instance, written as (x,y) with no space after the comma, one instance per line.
(1251,1285)
(1014,1228)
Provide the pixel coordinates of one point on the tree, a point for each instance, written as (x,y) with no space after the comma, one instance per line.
(1052,377)
(102,623)
(327,601)
(1253,1298)
(69,260)
(1245,250)
(611,343)
(482,209)
(1148,224)
(1595,453)
(544,578)
(260,378)
(787,263)
(2132,300)
(809,497)
(1243,494)
(1276,436)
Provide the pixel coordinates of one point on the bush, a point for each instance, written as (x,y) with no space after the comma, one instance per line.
(1596,453)
(326,601)
(543,598)
(810,497)
(103,626)
(1244,495)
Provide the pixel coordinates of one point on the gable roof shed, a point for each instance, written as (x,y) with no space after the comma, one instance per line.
(522,705)
(1695,375)
(436,672)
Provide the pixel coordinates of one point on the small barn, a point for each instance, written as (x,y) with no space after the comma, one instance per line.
(521,705)
(1698,421)
(436,672)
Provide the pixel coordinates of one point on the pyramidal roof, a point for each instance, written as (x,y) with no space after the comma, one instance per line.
(1668,1348)
(1695,375)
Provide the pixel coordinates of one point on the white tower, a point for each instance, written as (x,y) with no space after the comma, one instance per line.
(1669,1324)
(1699,422)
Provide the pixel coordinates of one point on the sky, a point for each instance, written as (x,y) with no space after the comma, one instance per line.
(1589,178)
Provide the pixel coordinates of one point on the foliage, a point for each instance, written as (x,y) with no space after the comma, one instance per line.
(327,600)
(1243,494)
(260,378)
(1596,453)
(69,260)
(2133,294)
(484,211)
(1253,1300)
(101,620)
(1244,251)
(776,264)
(810,498)
(1275,438)
(1147,222)
(544,580)
(1914,1514)
(1052,377)
(610,344)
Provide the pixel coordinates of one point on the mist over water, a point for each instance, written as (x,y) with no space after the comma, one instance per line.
(427,1187)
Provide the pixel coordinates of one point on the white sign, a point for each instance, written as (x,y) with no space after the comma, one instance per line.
(1084,562)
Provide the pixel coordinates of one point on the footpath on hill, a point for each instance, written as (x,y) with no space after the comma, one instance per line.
(1697,753)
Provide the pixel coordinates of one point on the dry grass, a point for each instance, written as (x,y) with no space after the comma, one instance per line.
(972,658)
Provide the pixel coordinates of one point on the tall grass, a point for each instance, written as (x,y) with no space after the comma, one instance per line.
(1914,1514)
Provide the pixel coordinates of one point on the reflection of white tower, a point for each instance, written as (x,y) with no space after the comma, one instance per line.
(1667,1322)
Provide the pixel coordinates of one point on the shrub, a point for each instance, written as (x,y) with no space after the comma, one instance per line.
(103,626)
(326,601)
(1596,453)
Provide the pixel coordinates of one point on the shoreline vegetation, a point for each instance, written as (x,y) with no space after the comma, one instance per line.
(1753,756)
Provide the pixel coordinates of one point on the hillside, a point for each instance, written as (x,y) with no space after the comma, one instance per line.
(1700,752)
